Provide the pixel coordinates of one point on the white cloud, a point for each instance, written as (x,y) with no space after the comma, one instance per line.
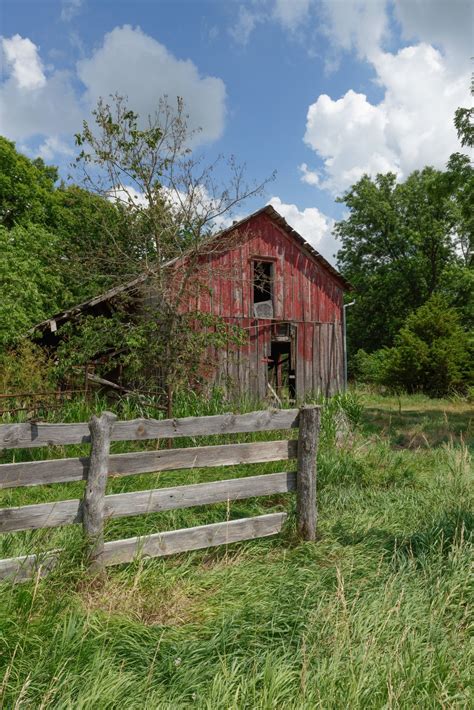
(291,13)
(412,126)
(49,110)
(128,62)
(247,20)
(69,9)
(310,177)
(443,24)
(54,146)
(356,24)
(312,224)
(22,56)
(134,64)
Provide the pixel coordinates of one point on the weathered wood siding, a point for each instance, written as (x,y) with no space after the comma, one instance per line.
(304,293)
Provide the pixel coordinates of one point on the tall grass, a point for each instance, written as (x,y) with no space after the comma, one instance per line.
(376,614)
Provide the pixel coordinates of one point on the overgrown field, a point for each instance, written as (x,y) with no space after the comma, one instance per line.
(376,614)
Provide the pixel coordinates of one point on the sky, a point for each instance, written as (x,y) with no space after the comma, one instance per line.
(322,91)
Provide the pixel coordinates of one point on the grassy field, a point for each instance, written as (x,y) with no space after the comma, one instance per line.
(376,614)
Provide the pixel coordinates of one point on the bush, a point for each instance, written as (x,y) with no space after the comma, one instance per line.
(26,368)
(431,354)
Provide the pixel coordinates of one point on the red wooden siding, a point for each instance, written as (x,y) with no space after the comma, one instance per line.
(305,293)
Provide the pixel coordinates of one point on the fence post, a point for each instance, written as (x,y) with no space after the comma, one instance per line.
(94,494)
(306,508)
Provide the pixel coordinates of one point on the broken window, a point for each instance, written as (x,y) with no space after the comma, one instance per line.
(263,289)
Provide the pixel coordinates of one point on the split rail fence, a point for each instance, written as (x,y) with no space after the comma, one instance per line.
(96,507)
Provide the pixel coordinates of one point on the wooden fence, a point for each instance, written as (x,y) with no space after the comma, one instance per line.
(95,507)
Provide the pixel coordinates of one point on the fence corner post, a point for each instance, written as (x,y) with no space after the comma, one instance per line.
(94,494)
(306,506)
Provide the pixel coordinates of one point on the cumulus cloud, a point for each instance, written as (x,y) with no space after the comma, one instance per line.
(412,126)
(355,24)
(132,63)
(23,58)
(310,177)
(443,24)
(128,62)
(312,224)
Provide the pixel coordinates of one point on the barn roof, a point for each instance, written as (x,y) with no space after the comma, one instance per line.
(52,323)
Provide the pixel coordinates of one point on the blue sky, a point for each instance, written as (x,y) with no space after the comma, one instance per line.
(320,90)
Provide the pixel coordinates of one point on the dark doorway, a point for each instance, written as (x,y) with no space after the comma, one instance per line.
(281,373)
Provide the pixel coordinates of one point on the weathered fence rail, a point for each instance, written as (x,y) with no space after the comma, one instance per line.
(96,507)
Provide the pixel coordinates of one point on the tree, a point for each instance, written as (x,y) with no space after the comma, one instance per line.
(26,187)
(431,354)
(30,274)
(404,242)
(464,122)
(169,202)
(400,242)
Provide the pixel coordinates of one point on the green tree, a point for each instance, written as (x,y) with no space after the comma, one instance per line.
(26,187)
(432,353)
(30,274)
(400,242)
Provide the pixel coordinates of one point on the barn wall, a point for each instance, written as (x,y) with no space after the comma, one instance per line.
(305,293)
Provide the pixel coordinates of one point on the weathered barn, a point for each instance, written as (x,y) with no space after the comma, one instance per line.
(281,292)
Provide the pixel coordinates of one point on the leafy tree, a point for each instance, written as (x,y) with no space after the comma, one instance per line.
(400,242)
(169,203)
(432,354)
(86,225)
(30,274)
(26,187)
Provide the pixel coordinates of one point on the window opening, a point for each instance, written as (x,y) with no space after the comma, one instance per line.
(263,289)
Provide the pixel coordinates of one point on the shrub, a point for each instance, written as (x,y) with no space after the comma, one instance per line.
(431,354)
(26,368)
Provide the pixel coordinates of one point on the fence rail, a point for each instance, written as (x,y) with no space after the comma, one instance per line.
(96,507)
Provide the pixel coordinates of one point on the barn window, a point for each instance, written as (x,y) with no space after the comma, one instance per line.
(263,289)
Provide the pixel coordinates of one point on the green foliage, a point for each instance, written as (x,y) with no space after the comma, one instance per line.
(26,368)
(403,242)
(30,274)
(432,354)
(138,343)
(26,187)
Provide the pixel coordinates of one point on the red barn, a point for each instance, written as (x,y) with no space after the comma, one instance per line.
(262,276)
(276,287)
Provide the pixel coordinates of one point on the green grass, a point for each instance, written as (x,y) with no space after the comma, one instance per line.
(376,614)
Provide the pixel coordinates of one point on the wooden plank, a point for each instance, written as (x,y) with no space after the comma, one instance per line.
(67,512)
(197,538)
(20,569)
(14,436)
(34,473)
